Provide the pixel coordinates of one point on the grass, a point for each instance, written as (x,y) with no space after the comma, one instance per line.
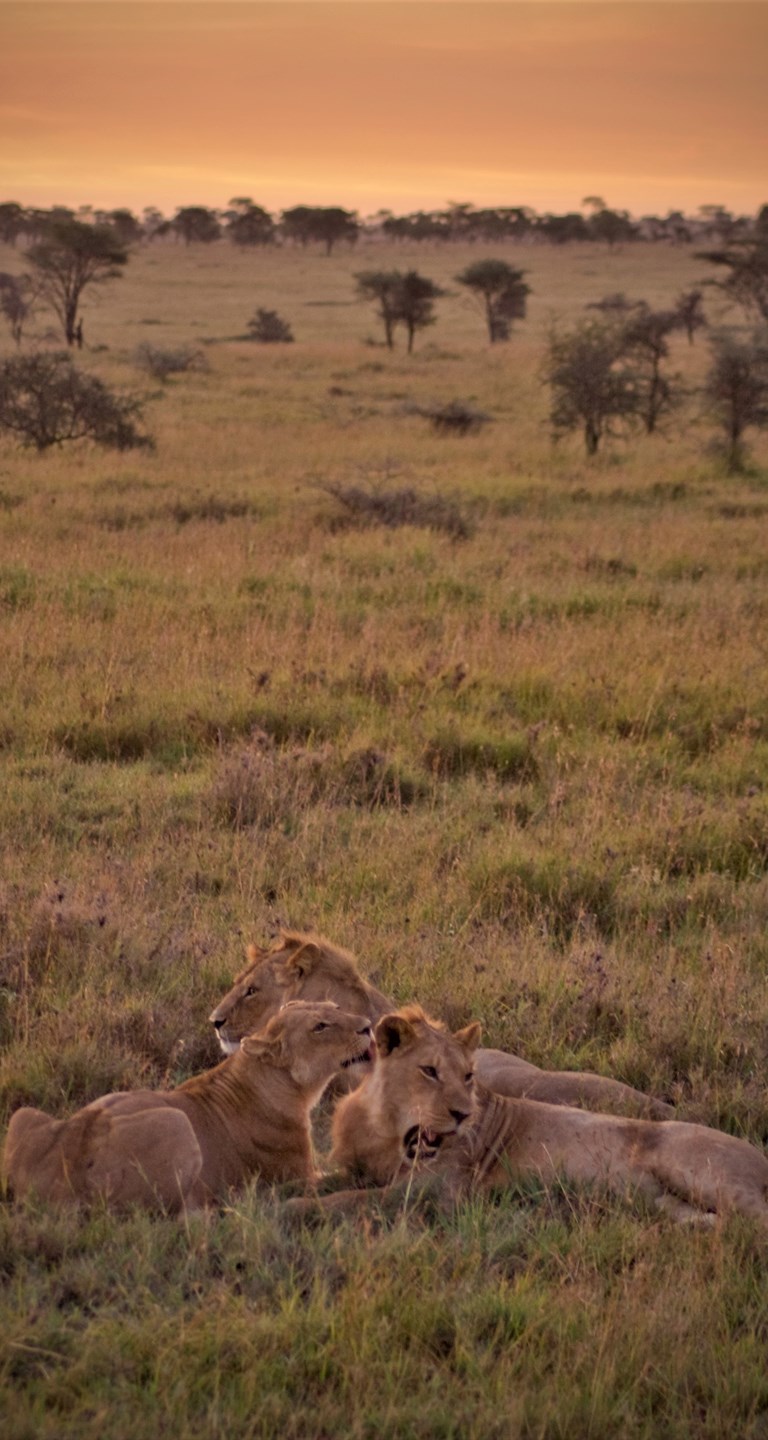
(516,762)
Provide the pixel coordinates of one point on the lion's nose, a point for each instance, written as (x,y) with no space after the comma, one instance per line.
(460,1116)
(217,1023)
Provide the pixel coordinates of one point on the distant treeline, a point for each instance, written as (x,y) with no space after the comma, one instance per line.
(247,224)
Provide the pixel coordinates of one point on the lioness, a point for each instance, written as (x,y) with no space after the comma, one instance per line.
(421,1106)
(308,967)
(187,1147)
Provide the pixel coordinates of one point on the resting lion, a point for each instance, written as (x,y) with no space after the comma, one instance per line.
(187,1147)
(308,967)
(420,1107)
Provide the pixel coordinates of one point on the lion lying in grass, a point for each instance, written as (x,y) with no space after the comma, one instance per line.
(420,1107)
(184,1148)
(308,967)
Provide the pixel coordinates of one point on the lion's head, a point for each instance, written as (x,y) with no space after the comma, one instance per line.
(296,967)
(312,1041)
(420,1093)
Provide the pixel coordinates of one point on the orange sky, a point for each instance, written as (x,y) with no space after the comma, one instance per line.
(399,103)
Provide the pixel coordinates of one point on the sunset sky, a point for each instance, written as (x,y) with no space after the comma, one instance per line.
(397,103)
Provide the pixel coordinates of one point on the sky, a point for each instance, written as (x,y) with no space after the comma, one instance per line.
(399,104)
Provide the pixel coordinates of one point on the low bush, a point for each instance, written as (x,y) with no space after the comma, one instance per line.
(269,328)
(393,506)
(161,364)
(45,400)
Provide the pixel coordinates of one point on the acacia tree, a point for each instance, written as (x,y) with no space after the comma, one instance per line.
(594,389)
(613,226)
(746,281)
(250,224)
(502,292)
(382,287)
(737,390)
(646,340)
(414,303)
(403,299)
(196,222)
(70,257)
(45,400)
(12,218)
(17,302)
(327,224)
(689,307)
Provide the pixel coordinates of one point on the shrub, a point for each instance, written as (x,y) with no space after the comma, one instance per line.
(394,506)
(456,418)
(160,364)
(45,400)
(268,328)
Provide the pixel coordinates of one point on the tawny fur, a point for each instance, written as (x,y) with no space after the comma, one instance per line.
(308,967)
(187,1147)
(689,1170)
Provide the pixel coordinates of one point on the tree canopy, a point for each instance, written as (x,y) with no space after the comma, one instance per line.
(69,257)
(502,292)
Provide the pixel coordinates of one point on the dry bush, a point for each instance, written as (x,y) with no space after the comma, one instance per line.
(393,506)
(161,362)
(456,418)
(268,328)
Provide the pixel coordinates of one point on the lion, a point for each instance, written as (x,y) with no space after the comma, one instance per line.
(308,967)
(421,1109)
(188,1147)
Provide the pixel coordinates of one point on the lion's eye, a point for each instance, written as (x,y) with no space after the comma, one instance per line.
(252,990)
(470,1077)
(429,1071)
(321,1025)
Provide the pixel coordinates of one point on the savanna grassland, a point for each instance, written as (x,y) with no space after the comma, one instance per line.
(516,761)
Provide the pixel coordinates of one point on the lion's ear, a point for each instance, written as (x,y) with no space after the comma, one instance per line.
(254,954)
(392,1031)
(263,1046)
(302,961)
(469,1037)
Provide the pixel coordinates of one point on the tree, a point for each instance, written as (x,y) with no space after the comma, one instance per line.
(690,311)
(736,387)
(382,286)
(593,389)
(17,302)
(646,340)
(746,281)
(560,229)
(12,219)
(613,226)
(195,222)
(70,257)
(250,224)
(125,225)
(153,223)
(326,224)
(402,300)
(502,292)
(414,303)
(45,400)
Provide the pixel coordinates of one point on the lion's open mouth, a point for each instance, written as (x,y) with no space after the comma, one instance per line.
(364,1058)
(420,1144)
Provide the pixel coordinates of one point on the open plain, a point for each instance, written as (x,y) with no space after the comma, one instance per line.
(514,758)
